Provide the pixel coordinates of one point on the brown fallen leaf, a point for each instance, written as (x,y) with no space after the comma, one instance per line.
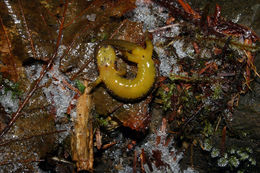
(135,116)
(11,66)
(92,21)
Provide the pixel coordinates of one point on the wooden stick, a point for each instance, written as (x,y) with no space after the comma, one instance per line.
(82,137)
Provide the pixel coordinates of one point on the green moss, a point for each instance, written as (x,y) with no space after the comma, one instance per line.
(232,151)
(166,95)
(217,91)
(234,158)
(222,162)
(208,129)
(10,86)
(106,122)
(252,161)
(233,161)
(243,155)
(207,145)
(215,152)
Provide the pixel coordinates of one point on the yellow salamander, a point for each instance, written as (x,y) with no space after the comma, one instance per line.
(128,89)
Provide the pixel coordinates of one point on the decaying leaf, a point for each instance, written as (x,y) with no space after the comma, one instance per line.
(93,21)
(104,103)
(130,31)
(33,33)
(33,137)
(135,116)
(11,65)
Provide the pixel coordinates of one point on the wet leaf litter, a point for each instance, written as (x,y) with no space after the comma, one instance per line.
(203,62)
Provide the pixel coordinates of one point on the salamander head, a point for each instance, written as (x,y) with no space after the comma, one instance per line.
(106,56)
(146,53)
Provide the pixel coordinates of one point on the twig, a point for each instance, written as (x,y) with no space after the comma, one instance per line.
(164,27)
(98,139)
(200,107)
(61,160)
(82,137)
(65,83)
(219,119)
(35,86)
(71,106)
(223,140)
(106,146)
(27,29)
(117,30)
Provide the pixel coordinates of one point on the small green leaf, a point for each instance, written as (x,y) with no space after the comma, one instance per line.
(80,86)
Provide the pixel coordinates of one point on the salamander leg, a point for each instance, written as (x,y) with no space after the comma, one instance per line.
(95,84)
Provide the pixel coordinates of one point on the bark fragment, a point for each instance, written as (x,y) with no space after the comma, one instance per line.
(82,137)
